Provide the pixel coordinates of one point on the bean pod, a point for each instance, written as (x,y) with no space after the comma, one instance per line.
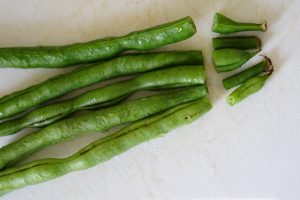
(62,56)
(225,25)
(124,65)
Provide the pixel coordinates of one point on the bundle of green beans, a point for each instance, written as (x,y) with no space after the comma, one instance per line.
(150,116)
(232,52)
(104,148)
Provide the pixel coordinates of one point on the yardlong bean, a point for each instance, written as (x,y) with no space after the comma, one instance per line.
(237,42)
(96,121)
(230,59)
(104,148)
(61,56)
(225,25)
(57,86)
(239,78)
(170,78)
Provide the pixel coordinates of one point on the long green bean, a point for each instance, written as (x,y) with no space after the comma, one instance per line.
(128,64)
(62,56)
(104,148)
(95,121)
(170,77)
(230,59)
(239,78)
(225,25)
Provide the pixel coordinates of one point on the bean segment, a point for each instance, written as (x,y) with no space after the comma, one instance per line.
(230,59)
(225,25)
(250,87)
(237,42)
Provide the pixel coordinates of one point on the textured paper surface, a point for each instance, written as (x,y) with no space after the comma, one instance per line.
(249,151)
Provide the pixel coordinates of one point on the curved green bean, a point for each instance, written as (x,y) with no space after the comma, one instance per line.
(230,59)
(104,148)
(170,77)
(237,42)
(239,78)
(250,87)
(96,121)
(62,56)
(63,84)
(225,25)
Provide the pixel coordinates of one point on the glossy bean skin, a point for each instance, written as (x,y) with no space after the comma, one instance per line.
(237,42)
(96,121)
(241,77)
(62,56)
(104,148)
(225,25)
(230,59)
(124,65)
(101,97)
(249,87)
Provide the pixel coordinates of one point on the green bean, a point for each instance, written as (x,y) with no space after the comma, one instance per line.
(62,56)
(102,97)
(230,59)
(239,78)
(250,87)
(104,148)
(95,121)
(237,42)
(225,25)
(62,84)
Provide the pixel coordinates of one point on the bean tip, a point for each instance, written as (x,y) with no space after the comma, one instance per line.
(269,66)
(264,26)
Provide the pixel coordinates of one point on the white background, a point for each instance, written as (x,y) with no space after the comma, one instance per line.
(249,151)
